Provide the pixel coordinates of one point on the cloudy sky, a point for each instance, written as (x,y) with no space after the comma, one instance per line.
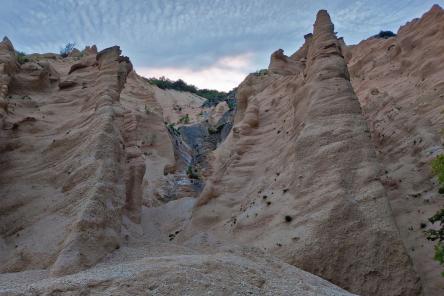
(209,43)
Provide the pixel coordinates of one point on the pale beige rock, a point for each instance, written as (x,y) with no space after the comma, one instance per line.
(298,177)
(217,112)
(176,104)
(88,165)
(400,85)
(281,64)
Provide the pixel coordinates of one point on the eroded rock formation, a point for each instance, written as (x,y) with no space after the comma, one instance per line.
(325,169)
(400,85)
(298,177)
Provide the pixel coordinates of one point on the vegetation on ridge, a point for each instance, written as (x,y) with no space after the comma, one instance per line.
(65,51)
(213,96)
(21,57)
(180,85)
(384,34)
(185,119)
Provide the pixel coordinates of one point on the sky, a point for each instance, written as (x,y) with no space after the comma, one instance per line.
(209,43)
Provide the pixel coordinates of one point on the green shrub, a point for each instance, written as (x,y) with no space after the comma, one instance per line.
(439,254)
(65,51)
(438,168)
(192,172)
(212,130)
(433,234)
(438,236)
(185,119)
(384,34)
(180,85)
(21,57)
(172,128)
(260,72)
(231,104)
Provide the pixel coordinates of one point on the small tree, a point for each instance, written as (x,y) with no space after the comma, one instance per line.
(433,234)
(192,172)
(65,51)
(438,168)
(185,119)
(385,34)
(21,57)
(438,236)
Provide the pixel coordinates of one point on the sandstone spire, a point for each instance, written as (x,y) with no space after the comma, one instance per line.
(309,159)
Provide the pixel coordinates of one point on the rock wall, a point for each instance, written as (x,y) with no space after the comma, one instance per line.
(310,174)
(74,160)
(8,67)
(298,177)
(400,85)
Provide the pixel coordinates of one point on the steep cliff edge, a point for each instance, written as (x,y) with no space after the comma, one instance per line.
(298,176)
(400,84)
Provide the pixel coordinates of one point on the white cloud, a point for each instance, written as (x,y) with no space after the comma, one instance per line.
(225,74)
(180,36)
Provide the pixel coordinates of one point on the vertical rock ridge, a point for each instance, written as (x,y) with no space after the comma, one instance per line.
(358,239)
(298,176)
(8,67)
(96,230)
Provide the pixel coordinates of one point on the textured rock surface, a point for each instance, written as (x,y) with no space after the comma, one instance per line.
(400,85)
(95,197)
(298,177)
(281,64)
(85,157)
(8,67)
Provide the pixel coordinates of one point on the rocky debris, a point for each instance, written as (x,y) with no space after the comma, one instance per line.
(187,274)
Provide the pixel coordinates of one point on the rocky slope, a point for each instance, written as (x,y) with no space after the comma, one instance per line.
(325,167)
(400,84)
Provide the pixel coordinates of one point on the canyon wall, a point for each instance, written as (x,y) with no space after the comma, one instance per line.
(325,167)
(298,176)
(72,157)
(400,84)
(87,168)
